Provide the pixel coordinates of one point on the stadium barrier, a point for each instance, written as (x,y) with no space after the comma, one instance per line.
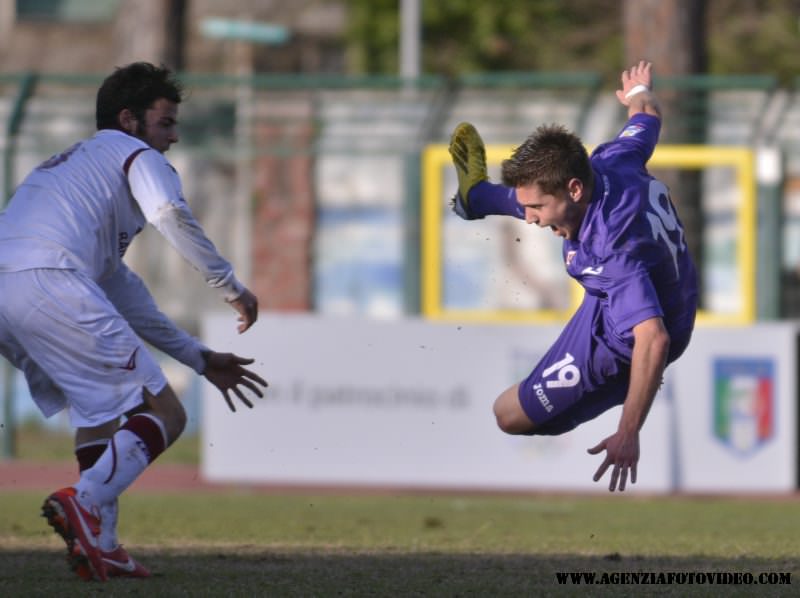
(408,404)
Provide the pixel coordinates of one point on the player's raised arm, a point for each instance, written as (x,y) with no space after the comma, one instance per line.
(637,90)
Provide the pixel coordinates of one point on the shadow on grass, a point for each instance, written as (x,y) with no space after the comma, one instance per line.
(258,571)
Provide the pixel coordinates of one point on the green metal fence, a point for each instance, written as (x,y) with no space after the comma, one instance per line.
(344,153)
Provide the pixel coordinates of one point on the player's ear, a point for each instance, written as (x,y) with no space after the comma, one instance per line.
(575,189)
(127,121)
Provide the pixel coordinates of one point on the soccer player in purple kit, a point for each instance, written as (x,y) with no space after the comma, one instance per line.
(623,243)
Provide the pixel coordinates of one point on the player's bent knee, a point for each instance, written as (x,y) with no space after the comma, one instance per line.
(510,416)
(174,418)
(168,409)
(505,423)
(178,423)
(513,423)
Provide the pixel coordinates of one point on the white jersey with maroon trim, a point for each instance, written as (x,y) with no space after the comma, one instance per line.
(80,210)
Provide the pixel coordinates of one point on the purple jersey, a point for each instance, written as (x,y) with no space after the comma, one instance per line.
(631,258)
(630,252)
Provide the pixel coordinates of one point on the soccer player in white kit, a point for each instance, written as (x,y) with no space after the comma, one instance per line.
(74,318)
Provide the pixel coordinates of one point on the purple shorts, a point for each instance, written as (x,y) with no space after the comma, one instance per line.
(580,376)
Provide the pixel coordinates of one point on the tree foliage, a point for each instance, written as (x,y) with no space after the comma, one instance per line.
(755,36)
(468,36)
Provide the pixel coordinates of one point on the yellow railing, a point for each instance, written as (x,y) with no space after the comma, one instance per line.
(435,159)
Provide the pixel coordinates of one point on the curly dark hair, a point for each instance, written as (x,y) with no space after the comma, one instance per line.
(135,87)
(549,157)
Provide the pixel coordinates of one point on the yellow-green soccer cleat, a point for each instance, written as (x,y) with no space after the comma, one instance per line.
(469,157)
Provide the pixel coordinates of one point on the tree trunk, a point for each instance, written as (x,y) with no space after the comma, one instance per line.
(151,31)
(672,35)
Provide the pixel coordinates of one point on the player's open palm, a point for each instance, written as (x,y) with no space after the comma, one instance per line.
(638,77)
(622,454)
(226,372)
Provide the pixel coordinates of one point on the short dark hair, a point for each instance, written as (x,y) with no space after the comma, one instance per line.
(135,87)
(549,157)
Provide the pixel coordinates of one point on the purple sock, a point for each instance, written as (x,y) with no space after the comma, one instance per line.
(487,199)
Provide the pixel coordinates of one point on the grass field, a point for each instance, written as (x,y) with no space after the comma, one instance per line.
(262,544)
(35,443)
(248,543)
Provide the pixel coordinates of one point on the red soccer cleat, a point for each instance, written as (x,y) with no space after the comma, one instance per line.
(79,528)
(120,564)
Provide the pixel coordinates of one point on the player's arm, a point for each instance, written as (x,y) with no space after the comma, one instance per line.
(135,303)
(637,91)
(177,224)
(648,360)
(157,190)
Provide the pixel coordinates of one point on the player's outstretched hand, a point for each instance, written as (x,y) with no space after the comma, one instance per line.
(225,371)
(247,306)
(635,80)
(622,451)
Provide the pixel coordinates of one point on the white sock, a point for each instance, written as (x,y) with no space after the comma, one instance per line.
(125,458)
(109,513)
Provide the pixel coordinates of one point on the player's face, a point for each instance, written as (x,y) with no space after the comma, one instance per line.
(562,212)
(160,127)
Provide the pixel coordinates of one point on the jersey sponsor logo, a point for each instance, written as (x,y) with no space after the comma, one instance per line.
(631,131)
(594,271)
(744,403)
(125,240)
(540,394)
(131,365)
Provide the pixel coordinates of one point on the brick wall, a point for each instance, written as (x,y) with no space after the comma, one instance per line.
(283,223)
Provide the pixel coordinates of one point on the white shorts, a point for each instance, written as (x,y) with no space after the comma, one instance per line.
(73,346)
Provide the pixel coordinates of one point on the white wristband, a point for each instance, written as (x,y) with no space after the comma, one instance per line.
(636,89)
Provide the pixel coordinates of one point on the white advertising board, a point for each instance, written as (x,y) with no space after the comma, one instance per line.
(358,403)
(736,395)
